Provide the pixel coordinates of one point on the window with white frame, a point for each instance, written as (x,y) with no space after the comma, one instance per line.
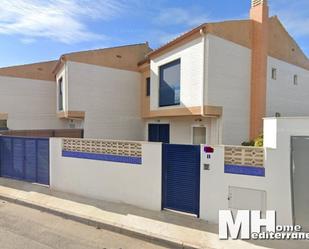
(60,94)
(295,80)
(274,73)
(3,124)
(169,84)
(199,135)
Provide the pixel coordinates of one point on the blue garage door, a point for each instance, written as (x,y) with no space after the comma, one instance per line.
(25,159)
(181,177)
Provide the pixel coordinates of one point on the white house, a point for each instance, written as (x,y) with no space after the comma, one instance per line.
(96,90)
(213,84)
(216,82)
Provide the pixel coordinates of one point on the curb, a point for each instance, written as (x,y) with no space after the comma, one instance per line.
(113,227)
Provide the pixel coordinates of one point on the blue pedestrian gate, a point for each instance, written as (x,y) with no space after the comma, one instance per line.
(181,178)
(25,159)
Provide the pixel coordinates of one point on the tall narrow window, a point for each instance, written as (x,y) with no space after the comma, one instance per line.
(148,86)
(169,84)
(199,135)
(60,94)
(295,80)
(274,73)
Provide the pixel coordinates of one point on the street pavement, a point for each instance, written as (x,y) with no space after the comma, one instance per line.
(25,228)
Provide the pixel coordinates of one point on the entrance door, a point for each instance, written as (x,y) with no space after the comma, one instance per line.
(159,133)
(300,183)
(181,177)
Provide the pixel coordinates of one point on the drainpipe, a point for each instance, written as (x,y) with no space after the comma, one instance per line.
(203,34)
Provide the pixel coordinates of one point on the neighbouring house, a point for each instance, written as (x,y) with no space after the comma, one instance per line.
(97,90)
(213,84)
(28,97)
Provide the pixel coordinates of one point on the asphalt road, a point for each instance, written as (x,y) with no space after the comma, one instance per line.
(26,228)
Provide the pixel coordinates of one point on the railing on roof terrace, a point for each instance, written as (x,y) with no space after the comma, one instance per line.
(106,150)
(244,160)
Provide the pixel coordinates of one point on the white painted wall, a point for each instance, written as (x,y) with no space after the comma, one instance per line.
(228,84)
(282,95)
(110,98)
(215,186)
(277,182)
(139,185)
(181,129)
(30,104)
(279,159)
(191,76)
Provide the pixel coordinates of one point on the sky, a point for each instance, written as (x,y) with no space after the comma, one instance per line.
(42,30)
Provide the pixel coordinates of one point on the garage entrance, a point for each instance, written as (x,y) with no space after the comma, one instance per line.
(25,159)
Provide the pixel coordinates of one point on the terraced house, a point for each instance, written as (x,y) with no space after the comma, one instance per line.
(213,84)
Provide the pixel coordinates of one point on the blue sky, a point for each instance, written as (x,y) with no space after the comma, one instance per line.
(39,30)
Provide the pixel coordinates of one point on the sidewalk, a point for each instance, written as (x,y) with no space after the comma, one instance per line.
(165,228)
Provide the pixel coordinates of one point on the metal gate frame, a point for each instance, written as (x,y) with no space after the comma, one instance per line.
(164,179)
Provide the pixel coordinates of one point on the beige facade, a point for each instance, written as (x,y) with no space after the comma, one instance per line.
(36,71)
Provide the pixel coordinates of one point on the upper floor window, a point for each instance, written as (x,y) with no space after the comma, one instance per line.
(169,89)
(148,86)
(295,80)
(60,94)
(274,73)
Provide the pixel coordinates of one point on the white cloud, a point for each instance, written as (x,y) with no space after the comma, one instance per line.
(59,20)
(180,16)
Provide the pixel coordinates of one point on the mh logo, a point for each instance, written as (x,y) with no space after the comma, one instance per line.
(245,224)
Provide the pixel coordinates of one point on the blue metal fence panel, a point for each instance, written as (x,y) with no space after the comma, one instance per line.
(181,177)
(30,160)
(6,157)
(18,158)
(25,158)
(43,162)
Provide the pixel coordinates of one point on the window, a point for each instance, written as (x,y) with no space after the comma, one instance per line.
(169,89)
(148,86)
(3,124)
(199,135)
(60,94)
(274,73)
(295,80)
